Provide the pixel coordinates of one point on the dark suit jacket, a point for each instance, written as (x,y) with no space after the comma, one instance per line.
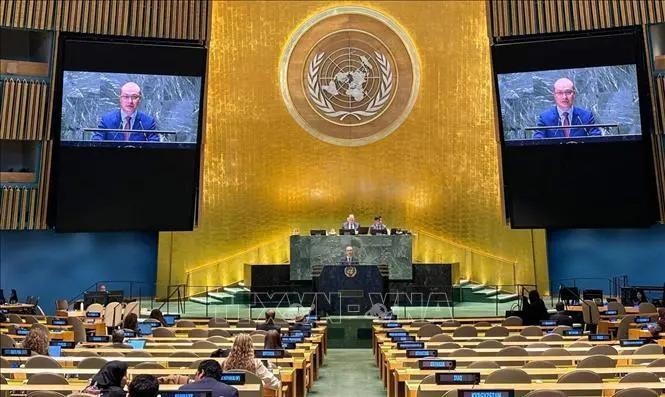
(267,327)
(562,319)
(347,225)
(344,262)
(550,117)
(533,311)
(113,119)
(218,388)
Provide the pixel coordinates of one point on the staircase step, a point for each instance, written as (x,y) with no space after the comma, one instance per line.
(235,290)
(487,292)
(507,297)
(464,282)
(478,287)
(222,296)
(203,301)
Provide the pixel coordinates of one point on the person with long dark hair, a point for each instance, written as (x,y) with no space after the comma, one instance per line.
(534,308)
(109,381)
(131,322)
(156,314)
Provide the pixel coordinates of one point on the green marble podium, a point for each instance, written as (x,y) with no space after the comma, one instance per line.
(394,251)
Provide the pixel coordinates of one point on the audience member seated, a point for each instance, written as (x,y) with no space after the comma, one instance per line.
(13,297)
(659,326)
(143,386)
(131,322)
(560,316)
(109,381)
(638,298)
(220,353)
(118,340)
(37,340)
(242,357)
(270,322)
(533,309)
(156,314)
(299,324)
(273,340)
(206,378)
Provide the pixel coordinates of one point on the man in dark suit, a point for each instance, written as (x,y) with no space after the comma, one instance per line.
(560,316)
(564,114)
(270,322)
(207,378)
(348,259)
(128,119)
(351,223)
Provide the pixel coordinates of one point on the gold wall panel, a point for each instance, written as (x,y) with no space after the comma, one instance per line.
(520,17)
(264,176)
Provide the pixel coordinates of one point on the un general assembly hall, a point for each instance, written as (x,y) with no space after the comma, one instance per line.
(244,198)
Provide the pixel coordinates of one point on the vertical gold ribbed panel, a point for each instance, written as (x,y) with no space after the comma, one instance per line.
(23,109)
(141,18)
(264,176)
(28,14)
(17,207)
(519,17)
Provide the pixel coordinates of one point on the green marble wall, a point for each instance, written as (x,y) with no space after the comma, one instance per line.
(394,251)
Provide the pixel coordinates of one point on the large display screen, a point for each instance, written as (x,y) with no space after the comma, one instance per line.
(117,109)
(127,127)
(592,104)
(575,128)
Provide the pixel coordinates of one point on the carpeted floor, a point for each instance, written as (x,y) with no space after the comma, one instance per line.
(347,373)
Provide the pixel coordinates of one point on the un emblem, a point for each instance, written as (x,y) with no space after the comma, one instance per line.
(350,271)
(349,76)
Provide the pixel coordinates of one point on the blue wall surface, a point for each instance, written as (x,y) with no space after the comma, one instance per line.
(61,265)
(605,253)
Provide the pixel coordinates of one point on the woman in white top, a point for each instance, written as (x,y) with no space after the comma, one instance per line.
(242,357)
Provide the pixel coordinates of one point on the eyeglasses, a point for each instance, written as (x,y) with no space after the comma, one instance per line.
(564,93)
(130,97)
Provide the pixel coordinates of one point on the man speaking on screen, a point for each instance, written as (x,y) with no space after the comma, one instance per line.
(564,114)
(127,123)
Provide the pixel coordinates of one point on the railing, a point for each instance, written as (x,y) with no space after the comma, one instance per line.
(132,290)
(230,269)
(474,262)
(180,291)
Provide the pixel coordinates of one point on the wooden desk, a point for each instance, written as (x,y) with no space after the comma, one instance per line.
(285,374)
(462,320)
(398,389)
(602,309)
(243,390)
(300,365)
(17,307)
(412,387)
(392,364)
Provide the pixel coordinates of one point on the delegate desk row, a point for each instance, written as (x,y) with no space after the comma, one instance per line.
(306,357)
(392,357)
(77,379)
(401,374)
(100,329)
(294,372)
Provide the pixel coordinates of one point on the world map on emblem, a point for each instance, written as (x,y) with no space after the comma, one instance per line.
(349,76)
